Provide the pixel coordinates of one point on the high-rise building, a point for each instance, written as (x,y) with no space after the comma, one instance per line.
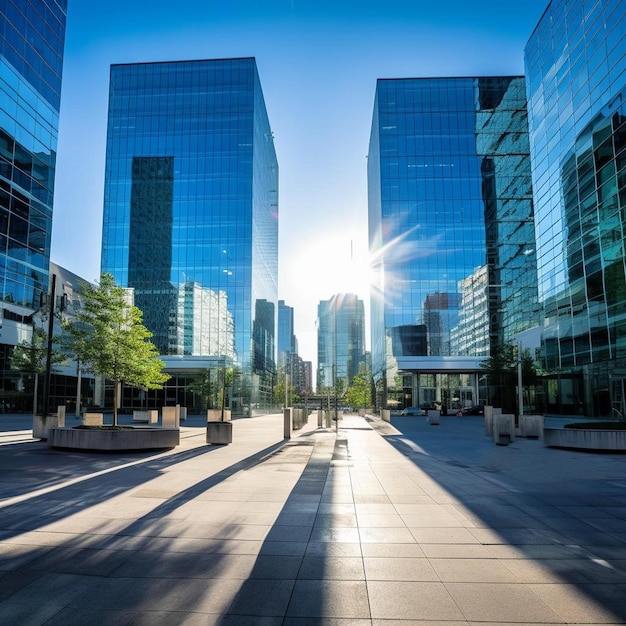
(451,234)
(286,338)
(576,71)
(191,216)
(32,39)
(31,62)
(340,339)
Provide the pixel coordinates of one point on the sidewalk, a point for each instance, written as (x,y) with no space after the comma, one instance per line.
(378,524)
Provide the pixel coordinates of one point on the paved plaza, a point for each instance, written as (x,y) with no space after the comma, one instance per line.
(373,524)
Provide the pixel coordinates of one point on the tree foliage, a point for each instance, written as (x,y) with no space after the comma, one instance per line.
(359,393)
(108,337)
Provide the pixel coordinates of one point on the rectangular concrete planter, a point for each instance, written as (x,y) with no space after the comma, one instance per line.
(531,426)
(93,419)
(150,416)
(41,426)
(219,433)
(170,416)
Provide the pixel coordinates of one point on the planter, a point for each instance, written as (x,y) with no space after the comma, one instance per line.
(433,417)
(109,440)
(42,426)
(584,438)
(219,433)
(503,429)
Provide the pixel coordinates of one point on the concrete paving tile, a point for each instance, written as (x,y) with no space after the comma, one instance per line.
(399,568)
(326,534)
(500,602)
(325,621)
(13,556)
(516,536)
(602,604)
(30,614)
(366,520)
(288,533)
(333,549)
(403,622)
(160,594)
(53,588)
(279,567)
(375,509)
(552,570)
(414,601)
(287,548)
(331,568)
(335,520)
(84,615)
(443,535)
(472,570)
(337,508)
(296,519)
(335,598)
(371,498)
(262,598)
(386,535)
(392,550)
(79,561)
(442,520)
(457,551)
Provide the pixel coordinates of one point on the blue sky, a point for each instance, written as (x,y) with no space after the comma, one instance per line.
(318,63)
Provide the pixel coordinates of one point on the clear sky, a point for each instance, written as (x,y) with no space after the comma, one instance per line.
(318,62)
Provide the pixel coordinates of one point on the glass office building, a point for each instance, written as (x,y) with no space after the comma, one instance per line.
(32,37)
(450,232)
(340,339)
(576,71)
(191,216)
(287,343)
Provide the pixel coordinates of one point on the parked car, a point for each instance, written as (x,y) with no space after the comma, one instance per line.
(474,410)
(412,411)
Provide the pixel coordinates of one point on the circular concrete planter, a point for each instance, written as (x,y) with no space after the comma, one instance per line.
(108,440)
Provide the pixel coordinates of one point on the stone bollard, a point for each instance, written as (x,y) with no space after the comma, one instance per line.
(488,415)
(504,429)
(320,418)
(385,415)
(287,423)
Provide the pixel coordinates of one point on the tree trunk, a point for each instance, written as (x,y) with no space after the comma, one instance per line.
(78,386)
(35,389)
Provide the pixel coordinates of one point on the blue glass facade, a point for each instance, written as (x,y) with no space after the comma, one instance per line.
(32,35)
(451,233)
(576,68)
(191,211)
(340,339)
(286,338)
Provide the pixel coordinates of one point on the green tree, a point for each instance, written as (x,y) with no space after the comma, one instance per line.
(359,393)
(30,357)
(108,337)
